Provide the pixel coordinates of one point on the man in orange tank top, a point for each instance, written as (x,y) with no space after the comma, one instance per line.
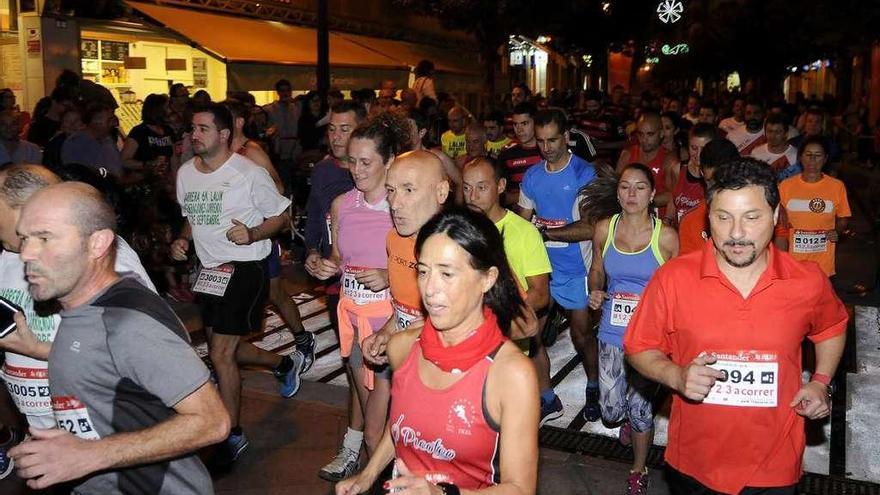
(649,151)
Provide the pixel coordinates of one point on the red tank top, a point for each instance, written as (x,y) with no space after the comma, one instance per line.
(656,165)
(445,431)
(687,194)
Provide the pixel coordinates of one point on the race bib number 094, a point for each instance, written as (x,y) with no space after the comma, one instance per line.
(623,305)
(751,379)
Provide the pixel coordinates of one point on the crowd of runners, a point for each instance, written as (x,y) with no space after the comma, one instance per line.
(682,240)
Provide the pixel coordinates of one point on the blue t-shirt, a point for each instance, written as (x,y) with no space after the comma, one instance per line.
(554,198)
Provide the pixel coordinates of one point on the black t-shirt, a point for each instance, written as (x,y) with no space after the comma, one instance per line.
(516,159)
(42,130)
(152,145)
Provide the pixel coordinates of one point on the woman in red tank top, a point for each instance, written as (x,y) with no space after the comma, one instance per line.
(464,399)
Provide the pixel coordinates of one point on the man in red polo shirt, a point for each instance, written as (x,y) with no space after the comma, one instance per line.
(732,354)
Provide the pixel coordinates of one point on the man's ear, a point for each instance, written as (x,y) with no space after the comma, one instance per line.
(442,191)
(100,243)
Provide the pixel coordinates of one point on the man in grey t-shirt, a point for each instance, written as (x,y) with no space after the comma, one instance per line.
(132,399)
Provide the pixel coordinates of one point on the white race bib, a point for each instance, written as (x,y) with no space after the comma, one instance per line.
(356,291)
(810,241)
(29,388)
(72,416)
(551,224)
(623,305)
(214,281)
(405,315)
(751,380)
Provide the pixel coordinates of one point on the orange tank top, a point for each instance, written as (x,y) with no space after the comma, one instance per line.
(402,274)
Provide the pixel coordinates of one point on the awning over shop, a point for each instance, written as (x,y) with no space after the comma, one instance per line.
(259,52)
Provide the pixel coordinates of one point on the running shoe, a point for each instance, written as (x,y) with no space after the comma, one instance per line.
(290,380)
(6,463)
(235,446)
(308,352)
(592,411)
(637,484)
(624,435)
(342,466)
(550,410)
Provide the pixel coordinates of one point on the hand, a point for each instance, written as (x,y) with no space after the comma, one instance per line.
(325,269)
(54,456)
(832,235)
(374,347)
(313,261)
(409,484)
(812,401)
(21,340)
(597,297)
(358,483)
(239,234)
(523,327)
(375,279)
(697,379)
(179,248)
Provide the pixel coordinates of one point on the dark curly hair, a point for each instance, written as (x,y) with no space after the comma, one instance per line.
(600,195)
(743,172)
(477,235)
(389,131)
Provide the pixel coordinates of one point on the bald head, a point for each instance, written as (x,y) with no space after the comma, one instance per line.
(457,119)
(67,243)
(85,206)
(19,182)
(417,188)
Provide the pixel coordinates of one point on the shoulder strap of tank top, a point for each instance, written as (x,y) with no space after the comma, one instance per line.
(491,355)
(655,241)
(243,148)
(612,225)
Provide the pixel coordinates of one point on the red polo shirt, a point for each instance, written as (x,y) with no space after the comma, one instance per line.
(744,433)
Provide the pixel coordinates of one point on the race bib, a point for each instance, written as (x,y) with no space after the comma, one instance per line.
(810,241)
(214,281)
(551,224)
(356,291)
(29,388)
(72,416)
(623,305)
(751,379)
(405,315)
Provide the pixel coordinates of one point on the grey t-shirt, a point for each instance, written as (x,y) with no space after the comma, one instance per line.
(118,364)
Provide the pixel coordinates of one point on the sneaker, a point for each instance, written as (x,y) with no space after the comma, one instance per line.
(550,410)
(290,381)
(308,352)
(637,484)
(6,463)
(342,466)
(592,411)
(233,448)
(624,435)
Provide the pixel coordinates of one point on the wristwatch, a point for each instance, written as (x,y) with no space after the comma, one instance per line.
(824,380)
(449,489)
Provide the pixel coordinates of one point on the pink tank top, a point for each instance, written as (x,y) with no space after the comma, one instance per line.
(446,432)
(362,227)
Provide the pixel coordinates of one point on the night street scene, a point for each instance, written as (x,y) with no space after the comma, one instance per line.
(440,247)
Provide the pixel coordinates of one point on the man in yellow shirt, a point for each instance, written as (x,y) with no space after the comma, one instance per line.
(495,138)
(453,140)
(483,183)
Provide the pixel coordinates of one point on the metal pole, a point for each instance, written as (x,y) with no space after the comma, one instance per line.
(323,52)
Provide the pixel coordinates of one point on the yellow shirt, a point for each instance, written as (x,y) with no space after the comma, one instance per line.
(453,144)
(495,147)
(523,247)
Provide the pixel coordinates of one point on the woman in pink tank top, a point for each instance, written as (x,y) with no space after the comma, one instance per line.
(360,221)
(464,398)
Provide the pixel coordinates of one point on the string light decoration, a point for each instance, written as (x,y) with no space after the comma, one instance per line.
(669,11)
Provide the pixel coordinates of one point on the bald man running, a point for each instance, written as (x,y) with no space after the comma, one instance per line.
(130,411)
(417,190)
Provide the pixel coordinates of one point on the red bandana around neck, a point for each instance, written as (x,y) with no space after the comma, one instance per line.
(462,356)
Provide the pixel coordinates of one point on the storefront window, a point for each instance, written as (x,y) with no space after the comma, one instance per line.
(104,61)
(8,16)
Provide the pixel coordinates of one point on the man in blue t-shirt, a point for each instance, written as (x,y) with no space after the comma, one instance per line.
(549,197)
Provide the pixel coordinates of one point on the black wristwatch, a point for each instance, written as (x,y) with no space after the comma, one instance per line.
(449,489)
